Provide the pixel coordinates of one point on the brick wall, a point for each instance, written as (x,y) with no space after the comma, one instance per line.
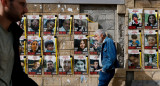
(106,17)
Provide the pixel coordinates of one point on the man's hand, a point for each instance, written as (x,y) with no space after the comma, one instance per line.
(101,70)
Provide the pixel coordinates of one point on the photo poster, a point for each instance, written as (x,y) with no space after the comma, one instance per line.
(21,45)
(95,47)
(159,18)
(22,62)
(159,39)
(80,44)
(151,19)
(134,59)
(34,65)
(49,45)
(65,65)
(65,23)
(34,45)
(48,24)
(80,64)
(33,24)
(50,65)
(134,39)
(150,59)
(158,59)
(80,24)
(135,19)
(150,39)
(94,64)
(22,23)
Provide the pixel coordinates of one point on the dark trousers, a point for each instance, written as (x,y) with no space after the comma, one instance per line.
(105,77)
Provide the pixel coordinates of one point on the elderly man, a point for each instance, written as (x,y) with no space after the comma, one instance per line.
(11,72)
(108,58)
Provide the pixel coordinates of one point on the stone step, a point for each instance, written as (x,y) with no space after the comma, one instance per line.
(145,83)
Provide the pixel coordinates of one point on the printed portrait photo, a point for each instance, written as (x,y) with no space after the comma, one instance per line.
(80,26)
(49,45)
(94,64)
(21,45)
(34,45)
(33,25)
(133,61)
(50,65)
(22,62)
(80,45)
(95,47)
(151,40)
(65,65)
(134,41)
(49,25)
(34,65)
(80,65)
(150,19)
(150,61)
(64,26)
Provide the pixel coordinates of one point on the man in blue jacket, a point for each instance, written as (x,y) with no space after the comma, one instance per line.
(11,72)
(108,58)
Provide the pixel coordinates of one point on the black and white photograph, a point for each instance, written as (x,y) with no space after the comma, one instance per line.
(80,64)
(135,19)
(80,24)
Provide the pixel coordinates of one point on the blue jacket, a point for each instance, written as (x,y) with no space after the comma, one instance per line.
(109,55)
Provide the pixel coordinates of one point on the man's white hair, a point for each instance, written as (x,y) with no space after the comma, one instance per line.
(101,31)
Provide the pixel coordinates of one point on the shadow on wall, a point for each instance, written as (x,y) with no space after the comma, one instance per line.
(120,55)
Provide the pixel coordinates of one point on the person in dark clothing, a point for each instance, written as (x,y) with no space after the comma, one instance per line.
(12,74)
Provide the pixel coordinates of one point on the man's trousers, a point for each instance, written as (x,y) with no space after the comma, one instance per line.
(105,77)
